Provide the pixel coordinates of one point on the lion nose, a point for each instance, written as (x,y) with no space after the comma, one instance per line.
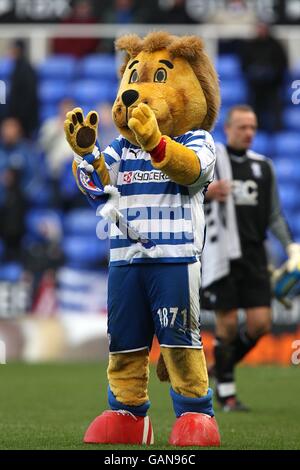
(129,97)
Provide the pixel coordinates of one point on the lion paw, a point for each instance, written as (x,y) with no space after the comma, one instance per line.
(81,133)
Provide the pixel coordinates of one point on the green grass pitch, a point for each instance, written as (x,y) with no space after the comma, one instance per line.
(50,406)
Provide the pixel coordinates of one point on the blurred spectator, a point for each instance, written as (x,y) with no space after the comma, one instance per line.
(107,129)
(18,155)
(168,12)
(23,99)
(265,63)
(122,12)
(53,142)
(42,247)
(82,13)
(42,252)
(67,195)
(12,213)
(234,12)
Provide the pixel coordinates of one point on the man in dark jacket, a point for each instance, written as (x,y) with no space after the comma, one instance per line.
(242,204)
(22,101)
(265,63)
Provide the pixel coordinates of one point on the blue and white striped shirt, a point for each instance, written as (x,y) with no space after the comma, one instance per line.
(170,214)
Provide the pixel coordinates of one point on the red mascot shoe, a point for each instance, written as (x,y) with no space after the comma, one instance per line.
(119,427)
(195,429)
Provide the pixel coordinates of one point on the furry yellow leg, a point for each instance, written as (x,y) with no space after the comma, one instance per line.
(128,376)
(181,164)
(187,371)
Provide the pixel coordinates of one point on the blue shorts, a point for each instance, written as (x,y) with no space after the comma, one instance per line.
(148,299)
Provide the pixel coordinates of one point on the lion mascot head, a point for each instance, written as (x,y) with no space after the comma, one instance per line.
(173,76)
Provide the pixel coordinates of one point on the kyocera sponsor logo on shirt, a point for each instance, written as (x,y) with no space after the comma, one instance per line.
(144,177)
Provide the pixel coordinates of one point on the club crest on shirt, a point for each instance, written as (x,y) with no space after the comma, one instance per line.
(256,170)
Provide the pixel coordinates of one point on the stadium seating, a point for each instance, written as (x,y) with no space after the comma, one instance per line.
(59,67)
(91,92)
(67,186)
(52,91)
(81,222)
(6,65)
(81,246)
(84,252)
(262,144)
(11,272)
(39,195)
(295,71)
(233,92)
(228,67)
(286,144)
(291,118)
(101,67)
(219,135)
(294,222)
(221,117)
(287,170)
(48,111)
(288,92)
(287,194)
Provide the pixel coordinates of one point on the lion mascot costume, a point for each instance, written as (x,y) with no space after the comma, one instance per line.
(152,180)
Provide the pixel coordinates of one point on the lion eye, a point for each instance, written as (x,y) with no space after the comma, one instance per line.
(134,77)
(160,75)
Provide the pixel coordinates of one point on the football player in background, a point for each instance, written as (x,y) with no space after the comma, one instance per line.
(241,205)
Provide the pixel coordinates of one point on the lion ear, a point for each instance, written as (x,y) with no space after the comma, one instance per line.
(188,47)
(130,43)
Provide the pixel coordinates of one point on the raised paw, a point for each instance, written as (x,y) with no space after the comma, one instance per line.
(81,133)
(145,127)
